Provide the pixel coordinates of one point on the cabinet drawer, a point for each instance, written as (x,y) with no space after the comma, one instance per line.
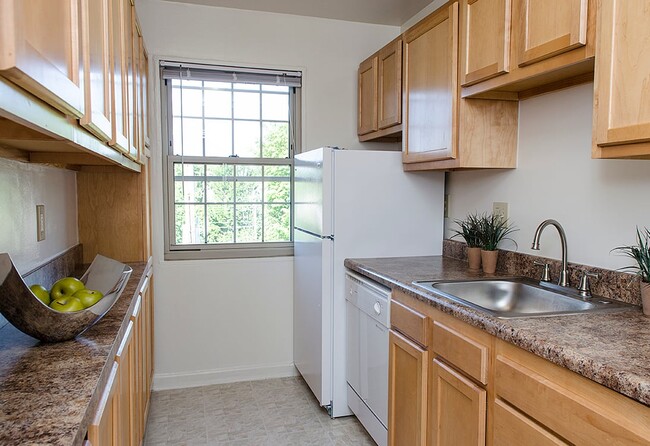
(463,352)
(510,426)
(409,322)
(585,414)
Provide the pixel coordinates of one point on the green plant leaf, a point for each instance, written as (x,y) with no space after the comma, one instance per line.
(469,230)
(494,229)
(640,253)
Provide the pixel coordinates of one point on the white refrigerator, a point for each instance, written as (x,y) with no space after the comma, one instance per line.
(347,204)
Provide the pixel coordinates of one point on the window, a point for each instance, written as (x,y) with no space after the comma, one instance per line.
(231,134)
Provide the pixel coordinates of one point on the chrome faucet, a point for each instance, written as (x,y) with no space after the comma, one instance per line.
(564,274)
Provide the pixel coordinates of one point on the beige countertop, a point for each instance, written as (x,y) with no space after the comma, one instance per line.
(612,349)
(49,392)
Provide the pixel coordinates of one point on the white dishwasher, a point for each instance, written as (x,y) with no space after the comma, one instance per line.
(367,323)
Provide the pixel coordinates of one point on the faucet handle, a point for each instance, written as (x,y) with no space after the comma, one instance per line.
(546,275)
(584,287)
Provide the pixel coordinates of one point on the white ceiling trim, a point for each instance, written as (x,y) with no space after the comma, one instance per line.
(382,12)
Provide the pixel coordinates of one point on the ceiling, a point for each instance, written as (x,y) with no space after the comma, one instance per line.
(384,12)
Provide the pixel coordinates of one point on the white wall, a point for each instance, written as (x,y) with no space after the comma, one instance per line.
(226,320)
(431,7)
(22,187)
(598,202)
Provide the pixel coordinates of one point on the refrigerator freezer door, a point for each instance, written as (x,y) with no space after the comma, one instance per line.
(312,320)
(308,192)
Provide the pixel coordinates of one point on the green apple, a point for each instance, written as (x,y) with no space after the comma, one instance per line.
(66,287)
(88,297)
(41,292)
(67,305)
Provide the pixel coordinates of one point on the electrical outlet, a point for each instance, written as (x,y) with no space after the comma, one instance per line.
(500,208)
(446,206)
(40,222)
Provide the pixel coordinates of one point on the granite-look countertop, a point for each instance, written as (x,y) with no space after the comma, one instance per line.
(612,349)
(49,392)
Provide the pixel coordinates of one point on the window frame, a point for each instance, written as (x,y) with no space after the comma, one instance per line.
(173,251)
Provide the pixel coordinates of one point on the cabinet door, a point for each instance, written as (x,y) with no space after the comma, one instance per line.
(431,88)
(367,119)
(407,390)
(147,308)
(510,426)
(389,66)
(622,82)
(457,408)
(485,39)
(40,50)
(101,430)
(131,75)
(545,28)
(125,389)
(144,60)
(97,72)
(142,104)
(137,407)
(119,122)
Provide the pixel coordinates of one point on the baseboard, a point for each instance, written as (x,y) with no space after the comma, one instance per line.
(166,381)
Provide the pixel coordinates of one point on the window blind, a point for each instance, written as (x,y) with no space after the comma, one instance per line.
(219,73)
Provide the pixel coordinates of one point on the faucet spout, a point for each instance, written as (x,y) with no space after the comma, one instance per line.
(564,274)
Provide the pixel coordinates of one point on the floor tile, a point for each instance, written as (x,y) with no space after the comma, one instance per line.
(273,412)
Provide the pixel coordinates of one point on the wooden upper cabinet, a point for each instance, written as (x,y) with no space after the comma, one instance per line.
(431,87)
(145,94)
(367,119)
(442,130)
(143,98)
(622,82)
(40,50)
(380,94)
(545,28)
(130,60)
(389,66)
(97,68)
(137,85)
(485,39)
(119,101)
(547,44)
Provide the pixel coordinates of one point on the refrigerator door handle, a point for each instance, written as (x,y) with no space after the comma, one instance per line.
(324,237)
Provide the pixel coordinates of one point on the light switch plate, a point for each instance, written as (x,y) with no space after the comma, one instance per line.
(40,222)
(500,208)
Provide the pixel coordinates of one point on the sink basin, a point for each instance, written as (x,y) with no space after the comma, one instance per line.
(519,297)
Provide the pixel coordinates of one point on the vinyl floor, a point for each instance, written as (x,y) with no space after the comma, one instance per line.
(273,412)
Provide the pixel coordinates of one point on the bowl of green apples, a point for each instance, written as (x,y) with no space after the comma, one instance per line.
(69,308)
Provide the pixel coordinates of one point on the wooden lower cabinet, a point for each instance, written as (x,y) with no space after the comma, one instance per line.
(511,426)
(571,406)
(102,430)
(457,408)
(485,391)
(125,389)
(121,417)
(407,390)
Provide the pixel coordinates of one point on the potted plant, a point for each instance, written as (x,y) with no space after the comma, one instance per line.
(641,254)
(469,229)
(493,229)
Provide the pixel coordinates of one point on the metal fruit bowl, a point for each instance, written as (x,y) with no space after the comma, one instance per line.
(31,316)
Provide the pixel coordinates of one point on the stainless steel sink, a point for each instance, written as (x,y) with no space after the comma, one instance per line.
(519,297)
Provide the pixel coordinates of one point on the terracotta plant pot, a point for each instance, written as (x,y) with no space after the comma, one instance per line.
(645,297)
(474,258)
(489,259)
